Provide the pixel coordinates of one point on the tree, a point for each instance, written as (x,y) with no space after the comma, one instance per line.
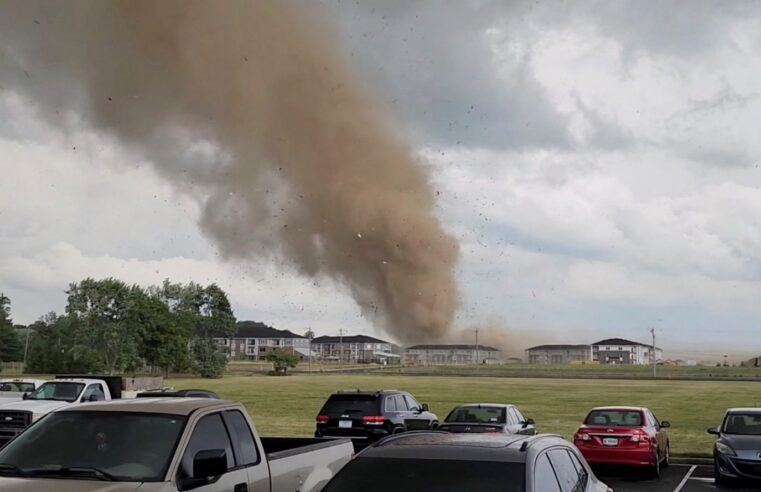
(101,312)
(52,348)
(10,344)
(281,361)
(208,358)
(164,340)
(309,334)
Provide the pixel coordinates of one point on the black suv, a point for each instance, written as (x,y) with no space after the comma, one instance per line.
(371,415)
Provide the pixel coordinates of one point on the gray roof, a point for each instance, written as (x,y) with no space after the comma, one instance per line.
(255,329)
(485,348)
(168,405)
(560,347)
(348,339)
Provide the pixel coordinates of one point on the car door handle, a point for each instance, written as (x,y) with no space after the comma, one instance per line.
(241,487)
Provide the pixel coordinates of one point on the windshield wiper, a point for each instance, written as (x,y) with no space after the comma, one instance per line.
(6,467)
(74,471)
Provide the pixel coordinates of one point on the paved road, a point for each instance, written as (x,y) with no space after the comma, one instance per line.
(676,478)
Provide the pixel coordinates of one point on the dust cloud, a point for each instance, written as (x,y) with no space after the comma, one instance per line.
(251,109)
(511,342)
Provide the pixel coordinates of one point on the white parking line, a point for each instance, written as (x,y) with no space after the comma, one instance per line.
(684,480)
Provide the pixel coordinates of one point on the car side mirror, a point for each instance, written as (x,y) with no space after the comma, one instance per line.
(209,464)
(528,422)
(713,430)
(424,407)
(665,424)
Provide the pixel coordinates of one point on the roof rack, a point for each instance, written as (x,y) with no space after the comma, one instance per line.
(531,440)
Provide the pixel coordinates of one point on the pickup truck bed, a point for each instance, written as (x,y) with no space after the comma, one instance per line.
(303,463)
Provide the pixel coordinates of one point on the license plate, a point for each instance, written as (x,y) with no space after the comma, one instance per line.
(610,441)
(344,424)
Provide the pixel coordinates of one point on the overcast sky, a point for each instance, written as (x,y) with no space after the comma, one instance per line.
(598,162)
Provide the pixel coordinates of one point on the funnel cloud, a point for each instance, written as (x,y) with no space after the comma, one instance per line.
(250,108)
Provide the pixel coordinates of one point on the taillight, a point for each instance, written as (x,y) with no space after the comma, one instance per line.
(639,436)
(323,419)
(373,419)
(582,437)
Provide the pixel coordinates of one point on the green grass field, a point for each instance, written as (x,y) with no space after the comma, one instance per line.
(287,405)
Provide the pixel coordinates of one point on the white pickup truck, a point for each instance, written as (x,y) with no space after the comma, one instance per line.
(14,389)
(16,416)
(164,445)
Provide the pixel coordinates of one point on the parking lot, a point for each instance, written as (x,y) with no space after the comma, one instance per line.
(675,478)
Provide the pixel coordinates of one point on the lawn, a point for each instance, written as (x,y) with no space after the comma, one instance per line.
(288,405)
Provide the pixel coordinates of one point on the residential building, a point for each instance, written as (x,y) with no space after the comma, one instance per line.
(356,348)
(254,341)
(559,354)
(450,354)
(621,351)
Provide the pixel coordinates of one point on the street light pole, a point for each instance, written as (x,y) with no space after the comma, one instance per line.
(655,360)
(477,358)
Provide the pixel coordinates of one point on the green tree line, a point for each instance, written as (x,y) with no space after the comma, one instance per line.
(113,327)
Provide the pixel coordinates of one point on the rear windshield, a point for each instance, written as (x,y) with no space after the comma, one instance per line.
(748,424)
(478,415)
(615,418)
(352,404)
(385,474)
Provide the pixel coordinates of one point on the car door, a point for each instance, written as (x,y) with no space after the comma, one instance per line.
(661,437)
(247,456)
(527,429)
(415,418)
(395,410)
(210,433)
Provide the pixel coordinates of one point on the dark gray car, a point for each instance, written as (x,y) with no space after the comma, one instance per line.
(444,462)
(488,417)
(737,451)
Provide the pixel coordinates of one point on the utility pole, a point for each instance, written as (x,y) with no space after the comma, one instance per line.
(655,360)
(309,354)
(478,360)
(340,345)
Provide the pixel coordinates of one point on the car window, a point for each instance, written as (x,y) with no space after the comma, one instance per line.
(352,404)
(615,418)
(94,389)
(565,470)
(209,433)
(580,469)
(521,418)
(413,474)
(401,405)
(748,424)
(544,475)
(654,421)
(481,415)
(391,404)
(412,404)
(514,420)
(243,441)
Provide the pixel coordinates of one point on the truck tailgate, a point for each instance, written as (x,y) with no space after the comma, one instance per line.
(304,464)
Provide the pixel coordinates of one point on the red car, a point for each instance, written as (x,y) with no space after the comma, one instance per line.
(624,436)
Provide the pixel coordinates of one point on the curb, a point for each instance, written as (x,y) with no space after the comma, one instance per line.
(691,461)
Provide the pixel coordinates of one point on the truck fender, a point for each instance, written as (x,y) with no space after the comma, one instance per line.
(316,480)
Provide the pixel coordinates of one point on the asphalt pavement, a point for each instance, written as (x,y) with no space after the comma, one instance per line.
(675,478)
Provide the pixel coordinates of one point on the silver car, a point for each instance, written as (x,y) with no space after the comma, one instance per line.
(488,418)
(445,462)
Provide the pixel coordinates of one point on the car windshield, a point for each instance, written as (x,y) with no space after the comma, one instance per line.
(17,387)
(57,390)
(746,424)
(384,474)
(615,418)
(130,447)
(478,415)
(360,404)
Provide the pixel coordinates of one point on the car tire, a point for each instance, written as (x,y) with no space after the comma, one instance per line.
(720,479)
(434,425)
(398,430)
(655,470)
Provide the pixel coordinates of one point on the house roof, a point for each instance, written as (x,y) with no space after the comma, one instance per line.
(484,348)
(620,341)
(560,347)
(255,329)
(348,339)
